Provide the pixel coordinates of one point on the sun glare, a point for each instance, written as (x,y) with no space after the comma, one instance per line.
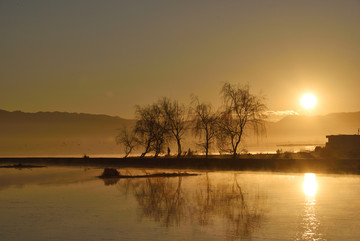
(308,101)
(310,185)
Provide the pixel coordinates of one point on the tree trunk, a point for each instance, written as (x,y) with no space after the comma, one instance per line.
(147,149)
(179,148)
(128,152)
(207,144)
(235,148)
(237,143)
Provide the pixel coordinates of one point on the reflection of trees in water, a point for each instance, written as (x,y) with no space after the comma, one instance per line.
(205,202)
(164,201)
(161,200)
(241,211)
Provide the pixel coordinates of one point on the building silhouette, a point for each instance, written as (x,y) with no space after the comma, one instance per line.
(345,145)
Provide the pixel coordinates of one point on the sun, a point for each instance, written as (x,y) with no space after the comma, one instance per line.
(308,101)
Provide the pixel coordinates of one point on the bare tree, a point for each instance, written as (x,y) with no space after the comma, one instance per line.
(174,113)
(204,119)
(144,128)
(127,139)
(241,110)
(151,129)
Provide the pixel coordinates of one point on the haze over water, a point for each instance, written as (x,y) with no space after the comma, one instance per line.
(72,204)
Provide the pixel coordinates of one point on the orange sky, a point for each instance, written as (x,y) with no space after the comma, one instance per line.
(107,56)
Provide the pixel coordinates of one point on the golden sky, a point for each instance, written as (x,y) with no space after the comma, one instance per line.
(107,56)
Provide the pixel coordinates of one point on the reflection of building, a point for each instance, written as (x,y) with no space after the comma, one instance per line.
(344,144)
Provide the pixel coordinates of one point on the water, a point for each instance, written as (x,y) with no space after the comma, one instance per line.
(72,204)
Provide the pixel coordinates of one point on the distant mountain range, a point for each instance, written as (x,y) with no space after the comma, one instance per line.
(62,133)
(58,124)
(58,133)
(313,128)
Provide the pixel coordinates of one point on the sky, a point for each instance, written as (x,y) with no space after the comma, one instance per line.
(105,57)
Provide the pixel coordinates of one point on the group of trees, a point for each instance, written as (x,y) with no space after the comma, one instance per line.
(167,120)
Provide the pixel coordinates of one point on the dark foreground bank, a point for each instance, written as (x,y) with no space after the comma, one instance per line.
(317,165)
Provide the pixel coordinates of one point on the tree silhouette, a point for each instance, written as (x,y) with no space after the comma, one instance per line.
(174,113)
(151,129)
(205,123)
(127,139)
(241,110)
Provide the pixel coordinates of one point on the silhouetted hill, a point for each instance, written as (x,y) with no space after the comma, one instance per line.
(58,133)
(55,124)
(313,128)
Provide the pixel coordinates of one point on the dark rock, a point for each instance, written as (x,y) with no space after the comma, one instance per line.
(110,173)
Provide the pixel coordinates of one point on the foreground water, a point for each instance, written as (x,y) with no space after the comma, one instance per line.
(72,204)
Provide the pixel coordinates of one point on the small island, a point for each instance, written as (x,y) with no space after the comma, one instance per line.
(113,173)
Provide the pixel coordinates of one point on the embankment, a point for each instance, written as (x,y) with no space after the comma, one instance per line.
(317,165)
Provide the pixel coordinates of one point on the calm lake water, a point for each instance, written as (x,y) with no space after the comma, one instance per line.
(56,203)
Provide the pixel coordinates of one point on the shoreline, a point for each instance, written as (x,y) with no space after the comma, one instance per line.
(316,165)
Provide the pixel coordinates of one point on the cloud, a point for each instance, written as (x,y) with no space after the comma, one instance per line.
(278,115)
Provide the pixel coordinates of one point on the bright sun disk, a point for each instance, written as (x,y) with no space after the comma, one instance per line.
(308,101)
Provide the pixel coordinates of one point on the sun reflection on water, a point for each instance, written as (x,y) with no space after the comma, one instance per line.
(310,222)
(310,185)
